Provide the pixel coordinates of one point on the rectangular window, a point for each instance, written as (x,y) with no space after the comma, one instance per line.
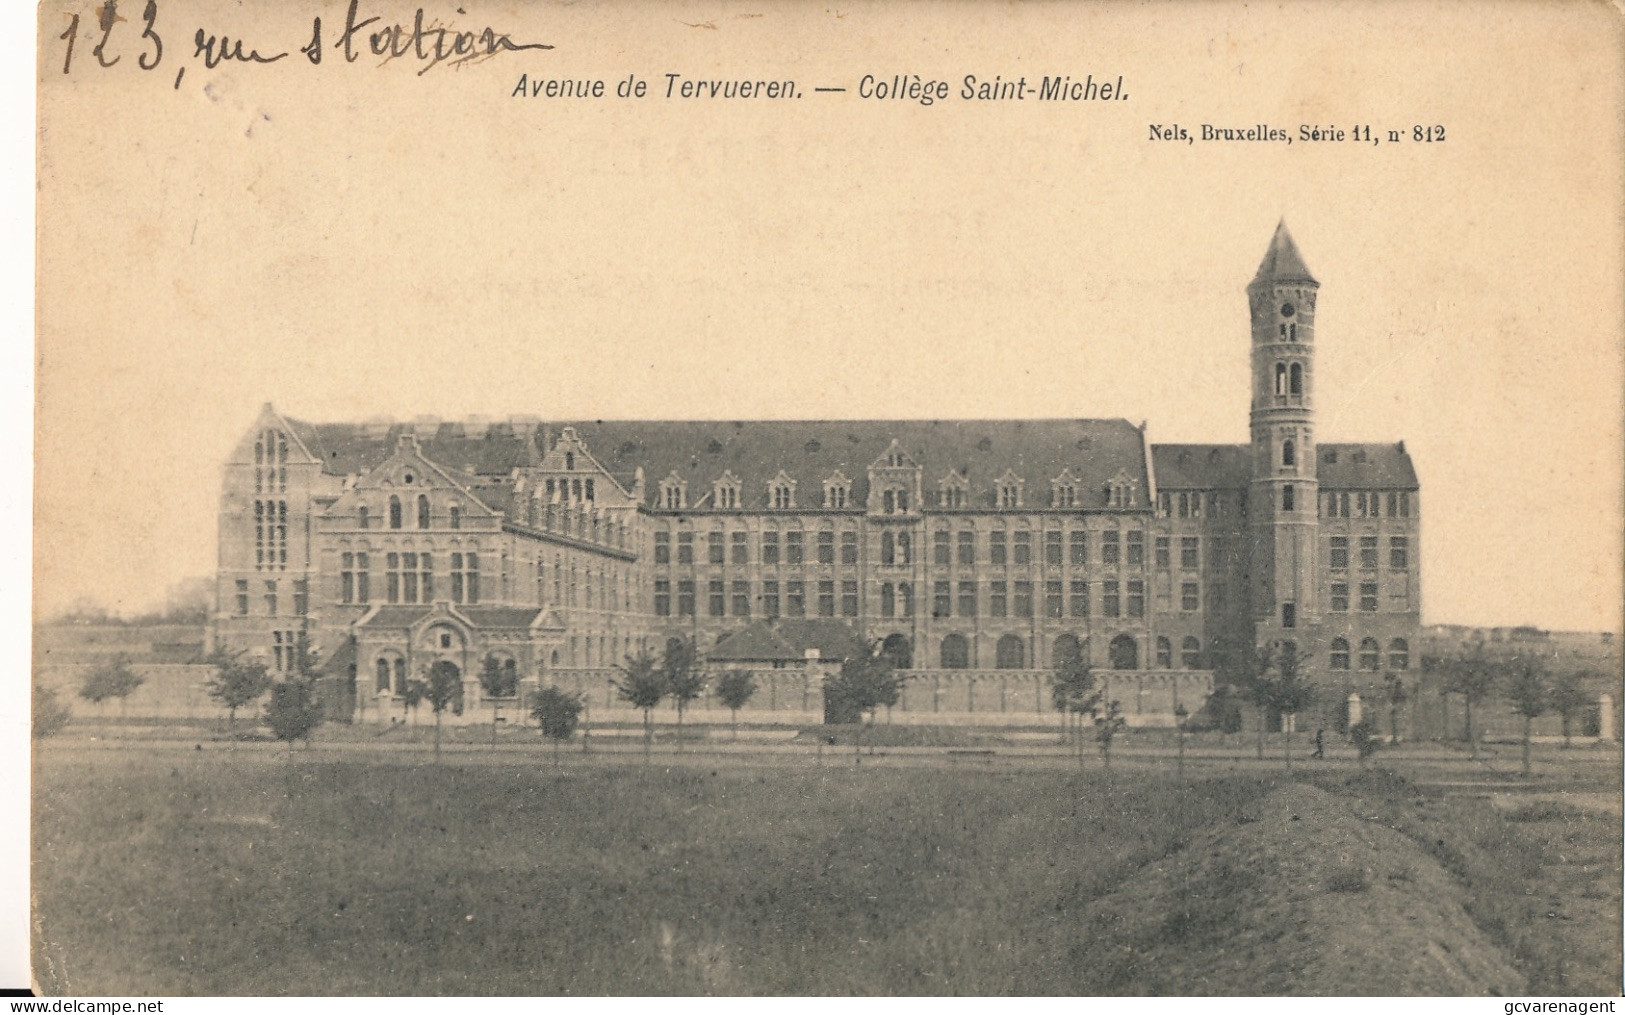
(1340,553)
(1340,597)
(685,598)
(1163,559)
(1136,598)
(1368,553)
(741,599)
(1054,605)
(301,597)
(717,604)
(996,552)
(363,580)
(1368,597)
(270,599)
(715,552)
(826,599)
(796,599)
(685,547)
(1189,552)
(662,596)
(741,547)
(1024,599)
(1110,599)
(1080,598)
(662,547)
(1393,504)
(998,603)
(1052,549)
(409,578)
(941,548)
(770,599)
(826,548)
(1190,597)
(849,598)
(849,549)
(967,599)
(1404,504)
(1024,548)
(242,597)
(1136,548)
(1289,615)
(1288,500)
(967,547)
(1110,555)
(1399,552)
(942,600)
(793,553)
(426,577)
(1080,548)
(770,547)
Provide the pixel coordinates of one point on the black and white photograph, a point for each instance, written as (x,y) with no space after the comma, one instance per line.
(730,499)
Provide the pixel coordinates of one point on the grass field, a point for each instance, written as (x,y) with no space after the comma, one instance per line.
(224,872)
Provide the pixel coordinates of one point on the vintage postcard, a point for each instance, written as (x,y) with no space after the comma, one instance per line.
(732,498)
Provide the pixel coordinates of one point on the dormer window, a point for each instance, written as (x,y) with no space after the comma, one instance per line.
(423,511)
(837,491)
(781,492)
(952,490)
(1064,490)
(725,492)
(1120,491)
(394,512)
(363,516)
(673,493)
(569,461)
(1007,491)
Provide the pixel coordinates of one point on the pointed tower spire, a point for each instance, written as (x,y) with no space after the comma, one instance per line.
(1282,262)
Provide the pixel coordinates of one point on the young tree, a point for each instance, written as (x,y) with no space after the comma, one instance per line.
(865,682)
(1258,687)
(50,715)
(443,690)
(496,683)
(1397,696)
(1530,697)
(412,696)
(1472,677)
(1108,724)
(557,712)
(293,710)
(1366,740)
(684,676)
(110,680)
(735,688)
(236,683)
(1569,701)
(1074,695)
(1290,692)
(642,686)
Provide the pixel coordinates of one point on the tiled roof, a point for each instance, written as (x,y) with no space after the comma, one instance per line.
(395,617)
(811,451)
(788,640)
(1202,466)
(1366,466)
(1282,262)
(490,617)
(756,643)
(350,448)
(1038,450)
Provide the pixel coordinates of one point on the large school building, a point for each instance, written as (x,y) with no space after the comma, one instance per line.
(978,553)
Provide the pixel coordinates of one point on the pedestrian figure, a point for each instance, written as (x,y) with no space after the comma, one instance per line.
(1320,744)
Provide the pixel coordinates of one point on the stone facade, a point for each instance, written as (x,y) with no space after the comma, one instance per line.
(994,547)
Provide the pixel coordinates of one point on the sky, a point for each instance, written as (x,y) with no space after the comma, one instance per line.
(350,241)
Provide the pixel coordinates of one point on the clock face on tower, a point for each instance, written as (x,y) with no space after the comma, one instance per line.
(1287,310)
